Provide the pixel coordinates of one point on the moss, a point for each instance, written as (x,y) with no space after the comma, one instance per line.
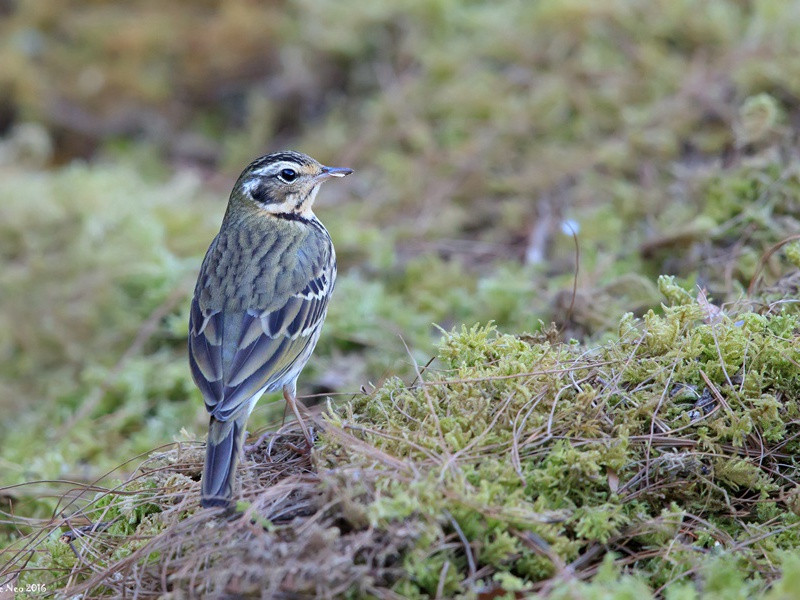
(635,451)
(535,451)
(518,456)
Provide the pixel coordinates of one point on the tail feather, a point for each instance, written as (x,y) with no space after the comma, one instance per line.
(222,455)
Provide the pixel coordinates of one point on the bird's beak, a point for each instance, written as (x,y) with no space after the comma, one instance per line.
(328,172)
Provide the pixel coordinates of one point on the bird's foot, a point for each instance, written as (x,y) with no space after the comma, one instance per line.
(310,436)
(248,448)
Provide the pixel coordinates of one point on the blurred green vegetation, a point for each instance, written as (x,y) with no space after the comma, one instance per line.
(663,132)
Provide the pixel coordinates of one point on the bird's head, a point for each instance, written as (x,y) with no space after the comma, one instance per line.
(285,183)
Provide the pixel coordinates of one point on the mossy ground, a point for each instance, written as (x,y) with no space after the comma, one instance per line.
(635,449)
(516,464)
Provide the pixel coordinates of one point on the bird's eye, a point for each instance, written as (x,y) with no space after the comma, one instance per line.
(287,175)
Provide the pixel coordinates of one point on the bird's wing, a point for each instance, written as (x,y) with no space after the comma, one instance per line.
(234,354)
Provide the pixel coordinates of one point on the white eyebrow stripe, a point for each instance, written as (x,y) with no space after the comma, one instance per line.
(276,168)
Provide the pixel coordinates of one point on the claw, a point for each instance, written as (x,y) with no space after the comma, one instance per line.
(252,447)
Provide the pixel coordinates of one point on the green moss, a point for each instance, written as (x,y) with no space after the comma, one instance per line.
(535,454)
(506,441)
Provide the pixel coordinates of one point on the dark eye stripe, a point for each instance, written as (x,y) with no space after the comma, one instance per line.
(261,194)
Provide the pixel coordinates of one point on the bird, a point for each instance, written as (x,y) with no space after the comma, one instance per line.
(259,304)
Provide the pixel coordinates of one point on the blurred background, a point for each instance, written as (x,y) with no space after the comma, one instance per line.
(662,132)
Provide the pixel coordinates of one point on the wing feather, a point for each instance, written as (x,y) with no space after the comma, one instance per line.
(211,390)
(206,353)
(251,329)
(277,320)
(237,351)
(294,328)
(249,360)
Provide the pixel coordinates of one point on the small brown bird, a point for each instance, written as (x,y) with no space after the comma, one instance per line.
(259,304)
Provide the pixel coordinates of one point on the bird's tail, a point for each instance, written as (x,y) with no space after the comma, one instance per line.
(222,455)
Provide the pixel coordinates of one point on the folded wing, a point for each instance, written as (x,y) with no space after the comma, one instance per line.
(234,355)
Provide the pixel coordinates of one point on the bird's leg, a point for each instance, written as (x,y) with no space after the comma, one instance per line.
(291,400)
